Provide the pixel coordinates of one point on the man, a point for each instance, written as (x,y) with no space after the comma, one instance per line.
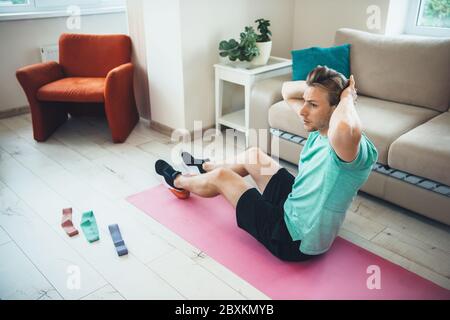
(295,218)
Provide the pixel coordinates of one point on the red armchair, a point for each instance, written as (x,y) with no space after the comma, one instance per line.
(93,70)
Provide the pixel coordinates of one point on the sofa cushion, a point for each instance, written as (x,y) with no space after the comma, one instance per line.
(405,69)
(282,116)
(385,121)
(73,90)
(304,60)
(425,150)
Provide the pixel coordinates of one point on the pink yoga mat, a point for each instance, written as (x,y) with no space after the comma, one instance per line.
(210,225)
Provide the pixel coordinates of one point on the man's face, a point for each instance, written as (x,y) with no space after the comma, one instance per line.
(316,111)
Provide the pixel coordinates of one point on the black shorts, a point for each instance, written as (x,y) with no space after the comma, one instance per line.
(263,217)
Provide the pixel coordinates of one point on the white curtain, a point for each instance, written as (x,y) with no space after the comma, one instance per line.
(136,28)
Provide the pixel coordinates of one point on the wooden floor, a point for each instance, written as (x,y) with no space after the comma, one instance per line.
(80,167)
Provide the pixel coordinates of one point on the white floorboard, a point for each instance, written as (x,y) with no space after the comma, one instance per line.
(80,167)
(20,279)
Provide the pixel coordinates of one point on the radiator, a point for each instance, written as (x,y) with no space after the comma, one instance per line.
(50,53)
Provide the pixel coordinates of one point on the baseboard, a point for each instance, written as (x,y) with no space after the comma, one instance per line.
(14,112)
(161,128)
(168,131)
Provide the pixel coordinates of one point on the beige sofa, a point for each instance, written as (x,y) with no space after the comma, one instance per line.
(404,95)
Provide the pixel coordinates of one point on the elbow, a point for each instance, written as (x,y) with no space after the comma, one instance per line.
(284,93)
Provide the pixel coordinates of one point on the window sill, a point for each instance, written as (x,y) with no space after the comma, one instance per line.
(428,32)
(58,13)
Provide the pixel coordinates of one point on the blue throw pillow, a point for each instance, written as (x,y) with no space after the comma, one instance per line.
(337,58)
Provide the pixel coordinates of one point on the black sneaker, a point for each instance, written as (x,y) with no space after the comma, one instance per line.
(189,160)
(167,171)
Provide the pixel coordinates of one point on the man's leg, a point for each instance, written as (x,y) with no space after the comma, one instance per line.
(219,181)
(254,162)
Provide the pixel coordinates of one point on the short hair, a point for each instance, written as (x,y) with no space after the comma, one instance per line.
(330,80)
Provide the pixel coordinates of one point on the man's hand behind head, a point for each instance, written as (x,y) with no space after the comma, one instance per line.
(350,91)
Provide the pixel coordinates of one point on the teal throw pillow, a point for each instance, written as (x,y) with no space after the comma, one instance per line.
(304,60)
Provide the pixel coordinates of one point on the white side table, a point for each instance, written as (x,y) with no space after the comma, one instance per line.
(240,120)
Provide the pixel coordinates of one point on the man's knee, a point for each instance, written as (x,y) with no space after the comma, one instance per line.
(222,173)
(254,150)
(254,155)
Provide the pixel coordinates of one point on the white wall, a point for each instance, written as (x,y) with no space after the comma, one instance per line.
(396,17)
(136,26)
(20,41)
(316,21)
(164,61)
(181,60)
(204,23)
(182,43)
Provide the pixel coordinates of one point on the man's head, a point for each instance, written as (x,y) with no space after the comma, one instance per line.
(321,97)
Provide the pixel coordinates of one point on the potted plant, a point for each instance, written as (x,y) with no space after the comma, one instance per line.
(263,42)
(245,50)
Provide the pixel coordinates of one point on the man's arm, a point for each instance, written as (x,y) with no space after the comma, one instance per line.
(292,92)
(345,127)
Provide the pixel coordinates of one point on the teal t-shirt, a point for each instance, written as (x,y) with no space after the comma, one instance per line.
(323,191)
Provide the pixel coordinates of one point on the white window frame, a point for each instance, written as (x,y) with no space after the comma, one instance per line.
(411,26)
(36,9)
(17,7)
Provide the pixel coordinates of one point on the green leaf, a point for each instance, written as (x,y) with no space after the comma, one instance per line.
(233,43)
(223,45)
(245,50)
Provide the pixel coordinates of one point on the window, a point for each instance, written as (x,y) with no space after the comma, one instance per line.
(15,5)
(429,18)
(27,9)
(13,2)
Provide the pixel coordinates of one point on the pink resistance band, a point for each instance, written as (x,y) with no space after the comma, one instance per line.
(67,222)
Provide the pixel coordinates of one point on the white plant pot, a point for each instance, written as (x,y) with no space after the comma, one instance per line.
(240,64)
(264,53)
